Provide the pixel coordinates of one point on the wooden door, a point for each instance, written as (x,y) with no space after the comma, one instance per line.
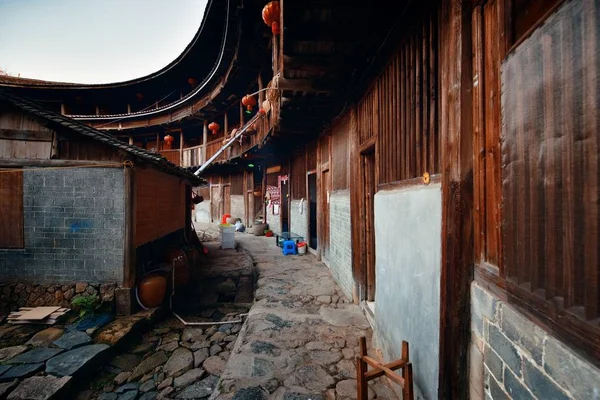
(325,191)
(312,210)
(368,225)
(226,199)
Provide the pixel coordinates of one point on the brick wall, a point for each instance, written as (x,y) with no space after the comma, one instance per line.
(273,220)
(74,221)
(340,245)
(298,219)
(511,357)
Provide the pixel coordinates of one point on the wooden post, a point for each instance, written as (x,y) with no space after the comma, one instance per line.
(63,109)
(188,212)
(128,245)
(361,370)
(157,142)
(128,108)
(181,148)
(204,141)
(130,140)
(457,197)
(97,110)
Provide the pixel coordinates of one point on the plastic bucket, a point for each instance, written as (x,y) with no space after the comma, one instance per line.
(301,248)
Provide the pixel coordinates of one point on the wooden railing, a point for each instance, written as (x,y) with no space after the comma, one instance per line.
(192,156)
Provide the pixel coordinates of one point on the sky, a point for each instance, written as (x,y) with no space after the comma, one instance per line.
(94,41)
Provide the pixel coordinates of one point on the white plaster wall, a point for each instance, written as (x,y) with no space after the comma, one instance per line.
(273,221)
(202,212)
(408,224)
(237,207)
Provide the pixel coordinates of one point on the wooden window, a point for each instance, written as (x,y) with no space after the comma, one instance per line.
(298,177)
(523,16)
(11,210)
(549,247)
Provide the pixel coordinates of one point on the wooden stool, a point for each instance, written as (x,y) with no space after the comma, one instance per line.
(363,376)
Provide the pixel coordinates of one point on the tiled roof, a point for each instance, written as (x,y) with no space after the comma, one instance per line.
(106,138)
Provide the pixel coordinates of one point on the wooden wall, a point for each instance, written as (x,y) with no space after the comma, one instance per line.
(159,205)
(401,108)
(340,162)
(23,136)
(298,176)
(237,184)
(551,175)
(11,209)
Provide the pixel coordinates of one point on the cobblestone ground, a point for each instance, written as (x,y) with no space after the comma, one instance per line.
(301,336)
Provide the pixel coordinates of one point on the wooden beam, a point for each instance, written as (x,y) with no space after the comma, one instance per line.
(129,242)
(181,147)
(457,197)
(306,85)
(204,141)
(28,162)
(32,136)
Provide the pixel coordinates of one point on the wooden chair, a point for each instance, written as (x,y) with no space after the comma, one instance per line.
(363,376)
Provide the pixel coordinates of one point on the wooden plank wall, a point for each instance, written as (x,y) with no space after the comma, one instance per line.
(159,205)
(551,177)
(11,209)
(298,176)
(401,108)
(23,136)
(237,183)
(340,162)
(487,55)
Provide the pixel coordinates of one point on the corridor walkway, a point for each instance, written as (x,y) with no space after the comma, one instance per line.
(301,335)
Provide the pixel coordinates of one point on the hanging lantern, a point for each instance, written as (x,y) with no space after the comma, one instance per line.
(262,112)
(266,105)
(193,82)
(249,101)
(270,14)
(214,127)
(169,141)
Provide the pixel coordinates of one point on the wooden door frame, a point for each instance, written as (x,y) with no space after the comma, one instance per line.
(364,289)
(308,208)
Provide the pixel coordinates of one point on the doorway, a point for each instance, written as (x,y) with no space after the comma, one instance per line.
(312,207)
(368,222)
(284,206)
(325,191)
(215,200)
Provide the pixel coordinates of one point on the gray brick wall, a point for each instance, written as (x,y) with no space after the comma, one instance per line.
(511,357)
(299,220)
(74,222)
(274,220)
(340,244)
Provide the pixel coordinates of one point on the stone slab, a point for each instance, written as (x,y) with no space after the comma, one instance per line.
(199,390)
(6,388)
(73,340)
(21,371)
(40,388)
(35,356)
(45,338)
(9,352)
(69,363)
(148,365)
(181,361)
(126,362)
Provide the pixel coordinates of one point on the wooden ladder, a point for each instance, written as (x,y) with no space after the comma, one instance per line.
(363,376)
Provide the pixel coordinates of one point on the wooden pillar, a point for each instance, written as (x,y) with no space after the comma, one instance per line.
(457,197)
(181,148)
(241,114)
(130,140)
(225,125)
(157,142)
(128,108)
(128,245)
(204,141)
(97,110)
(63,109)
(355,234)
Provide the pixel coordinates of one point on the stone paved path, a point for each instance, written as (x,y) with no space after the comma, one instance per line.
(301,335)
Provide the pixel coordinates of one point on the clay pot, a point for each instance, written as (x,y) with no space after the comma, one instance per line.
(152,290)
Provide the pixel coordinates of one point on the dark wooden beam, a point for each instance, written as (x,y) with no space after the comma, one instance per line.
(457,198)
(306,85)
(19,134)
(317,63)
(128,243)
(27,162)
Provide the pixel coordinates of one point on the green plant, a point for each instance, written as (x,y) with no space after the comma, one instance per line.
(86,304)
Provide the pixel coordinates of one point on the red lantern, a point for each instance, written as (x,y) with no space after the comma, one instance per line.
(270,14)
(169,141)
(193,82)
(214,127)
(249,101)
(262,112)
